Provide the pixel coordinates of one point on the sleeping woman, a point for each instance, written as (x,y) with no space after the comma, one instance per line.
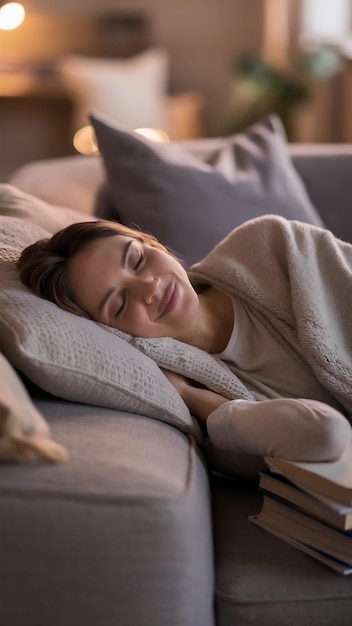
(273,300)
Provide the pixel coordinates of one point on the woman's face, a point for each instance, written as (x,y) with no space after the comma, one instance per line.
(129,285)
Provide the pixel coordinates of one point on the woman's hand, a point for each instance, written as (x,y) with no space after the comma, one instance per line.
(177,380)
(201,402)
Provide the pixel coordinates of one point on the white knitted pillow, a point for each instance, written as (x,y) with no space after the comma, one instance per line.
(72,357)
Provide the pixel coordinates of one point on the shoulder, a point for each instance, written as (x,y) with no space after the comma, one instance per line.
(257,229)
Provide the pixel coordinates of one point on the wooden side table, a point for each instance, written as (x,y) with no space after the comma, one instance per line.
(35,120)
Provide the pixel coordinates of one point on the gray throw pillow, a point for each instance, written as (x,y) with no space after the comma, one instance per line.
(192,194)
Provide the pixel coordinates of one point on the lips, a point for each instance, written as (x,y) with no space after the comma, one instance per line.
(168,300)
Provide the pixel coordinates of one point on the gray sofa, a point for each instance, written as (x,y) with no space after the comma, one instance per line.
(135,528)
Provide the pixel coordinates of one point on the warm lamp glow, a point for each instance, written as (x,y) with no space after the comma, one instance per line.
(153,134)
(12,15)
(84,140)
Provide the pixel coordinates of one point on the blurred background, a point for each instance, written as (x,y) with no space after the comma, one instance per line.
(179,69)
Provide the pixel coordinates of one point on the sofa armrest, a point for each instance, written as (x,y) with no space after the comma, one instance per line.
(71,181)
(326,170)
(120,534)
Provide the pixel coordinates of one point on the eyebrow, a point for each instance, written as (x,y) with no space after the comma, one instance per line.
(110,291)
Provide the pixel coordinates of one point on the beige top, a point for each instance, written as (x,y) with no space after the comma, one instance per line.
(253,349)
(301,422)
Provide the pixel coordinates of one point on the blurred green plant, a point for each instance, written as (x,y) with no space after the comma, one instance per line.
(259,89)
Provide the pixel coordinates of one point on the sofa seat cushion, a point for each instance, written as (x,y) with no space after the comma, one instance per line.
(263,581)
(118,534)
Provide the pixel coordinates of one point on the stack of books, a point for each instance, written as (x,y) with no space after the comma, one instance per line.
(309,505)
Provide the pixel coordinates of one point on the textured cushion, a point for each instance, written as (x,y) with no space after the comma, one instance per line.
(73,357)
(131,91)
(191,196)
(24,434)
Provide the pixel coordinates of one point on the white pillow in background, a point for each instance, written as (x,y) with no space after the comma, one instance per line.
(131,91)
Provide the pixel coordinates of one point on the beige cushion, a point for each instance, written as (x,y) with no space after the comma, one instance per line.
(72,357)
(24,434)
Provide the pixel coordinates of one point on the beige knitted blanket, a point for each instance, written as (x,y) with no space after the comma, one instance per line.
(297,279)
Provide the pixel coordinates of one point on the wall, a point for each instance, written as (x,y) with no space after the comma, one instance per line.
(204,38)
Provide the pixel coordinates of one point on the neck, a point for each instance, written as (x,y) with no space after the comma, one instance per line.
(213,325)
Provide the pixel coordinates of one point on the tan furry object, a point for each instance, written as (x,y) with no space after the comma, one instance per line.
(24,434)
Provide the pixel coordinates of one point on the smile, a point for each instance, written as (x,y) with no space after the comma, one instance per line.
(168,301)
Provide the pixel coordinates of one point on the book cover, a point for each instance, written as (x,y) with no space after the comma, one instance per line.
(327,510)
(307,530)
(331,478)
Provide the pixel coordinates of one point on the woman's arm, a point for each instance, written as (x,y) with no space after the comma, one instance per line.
(201,402)
(295,429)
(291,428)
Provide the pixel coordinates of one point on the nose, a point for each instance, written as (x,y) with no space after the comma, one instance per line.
(147,287)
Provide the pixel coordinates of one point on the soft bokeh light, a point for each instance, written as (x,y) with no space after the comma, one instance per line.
(12,15)
(84,140)
(154,134)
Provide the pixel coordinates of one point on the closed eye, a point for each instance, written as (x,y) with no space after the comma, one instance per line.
(139,260)
(123,304)
(136,265)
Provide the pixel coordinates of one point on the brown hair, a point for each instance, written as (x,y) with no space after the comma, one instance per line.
(43,265)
